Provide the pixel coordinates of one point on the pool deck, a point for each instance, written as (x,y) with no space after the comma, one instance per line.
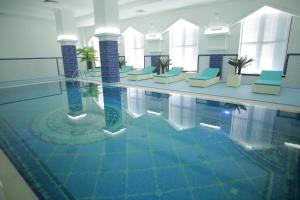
(288,99)
(12,185)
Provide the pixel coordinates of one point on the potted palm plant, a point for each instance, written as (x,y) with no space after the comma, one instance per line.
(238,64)
(88,55)
(164,64)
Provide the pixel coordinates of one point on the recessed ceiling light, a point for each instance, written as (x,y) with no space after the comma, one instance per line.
(140,11)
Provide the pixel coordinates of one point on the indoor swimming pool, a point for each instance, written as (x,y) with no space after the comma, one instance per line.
(74,140)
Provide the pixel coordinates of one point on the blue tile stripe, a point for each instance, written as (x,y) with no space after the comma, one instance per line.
(216,61)
(32,169)
(109,57)
(154,60)
(69,59)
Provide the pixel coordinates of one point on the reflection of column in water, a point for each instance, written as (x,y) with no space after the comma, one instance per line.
(74,98)
(182,111)
(253,128)
(136,102)
(112,109)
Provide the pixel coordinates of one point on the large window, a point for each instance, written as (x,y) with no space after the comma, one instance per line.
(184,39)
(264,37)
(134,48)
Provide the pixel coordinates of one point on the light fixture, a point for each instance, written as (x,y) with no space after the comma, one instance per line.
(210,126)
(216,30)
(288,144)
(226,112)
(67,38)
(114,133)
(111,30)
(153,36)
(153,113)
(77,116)
(140,11)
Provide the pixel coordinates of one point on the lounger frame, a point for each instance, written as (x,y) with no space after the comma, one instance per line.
(123,74)
(203,83)
(266,89)
(138,77)
(170,79)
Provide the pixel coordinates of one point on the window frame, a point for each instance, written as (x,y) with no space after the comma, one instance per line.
(261,43)
(183,46)
(134,47)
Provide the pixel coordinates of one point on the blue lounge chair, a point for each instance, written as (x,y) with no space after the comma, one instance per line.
(147,73)
(208,77)
(175,74)
(124,71)
(268,83)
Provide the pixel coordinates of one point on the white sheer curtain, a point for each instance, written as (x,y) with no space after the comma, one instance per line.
(264,37)
(184,39)
(134,48)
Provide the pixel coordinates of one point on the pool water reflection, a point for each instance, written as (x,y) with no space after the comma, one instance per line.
(127,143)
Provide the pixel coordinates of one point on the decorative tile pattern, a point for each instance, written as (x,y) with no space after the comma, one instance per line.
(216,61)
(109,57)
(69,60)
(150,160)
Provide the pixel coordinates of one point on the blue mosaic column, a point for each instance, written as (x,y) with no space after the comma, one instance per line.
(109,57)
(69,60)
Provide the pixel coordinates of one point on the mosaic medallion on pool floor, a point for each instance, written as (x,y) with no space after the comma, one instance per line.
(56,127)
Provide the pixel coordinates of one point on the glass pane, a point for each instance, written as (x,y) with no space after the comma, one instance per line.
(273,56)
(251,29)
(276,27)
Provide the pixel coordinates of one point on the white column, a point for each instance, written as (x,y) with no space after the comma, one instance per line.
(67,37)
(65,26)
(107,30)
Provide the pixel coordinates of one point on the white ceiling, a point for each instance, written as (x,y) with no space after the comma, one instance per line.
(84,8)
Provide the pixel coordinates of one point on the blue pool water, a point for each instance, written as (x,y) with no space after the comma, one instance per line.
(71,140)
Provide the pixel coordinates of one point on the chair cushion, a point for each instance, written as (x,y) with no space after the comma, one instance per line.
(147,70)
(201,77)
(126,69)
(165,75)
(175,70)
(271,75)
(211,72)
(268,82)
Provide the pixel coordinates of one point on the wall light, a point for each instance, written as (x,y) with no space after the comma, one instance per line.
(153,113)
(112,30)
(216,31)
(226,112)
(288,144)
(153,36)
(77,116)
(67,37)
(114,133)
(210,126)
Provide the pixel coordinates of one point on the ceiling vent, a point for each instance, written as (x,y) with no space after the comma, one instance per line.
(217,31)
(50,1)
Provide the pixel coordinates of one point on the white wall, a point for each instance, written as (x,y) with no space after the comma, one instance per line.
(231,13)
(23,37)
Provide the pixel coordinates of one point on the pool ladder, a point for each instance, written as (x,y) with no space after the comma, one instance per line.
(79,74)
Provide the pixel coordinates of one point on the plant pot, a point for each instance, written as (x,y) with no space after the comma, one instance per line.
(89,65)
(234,80)
(157,70)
